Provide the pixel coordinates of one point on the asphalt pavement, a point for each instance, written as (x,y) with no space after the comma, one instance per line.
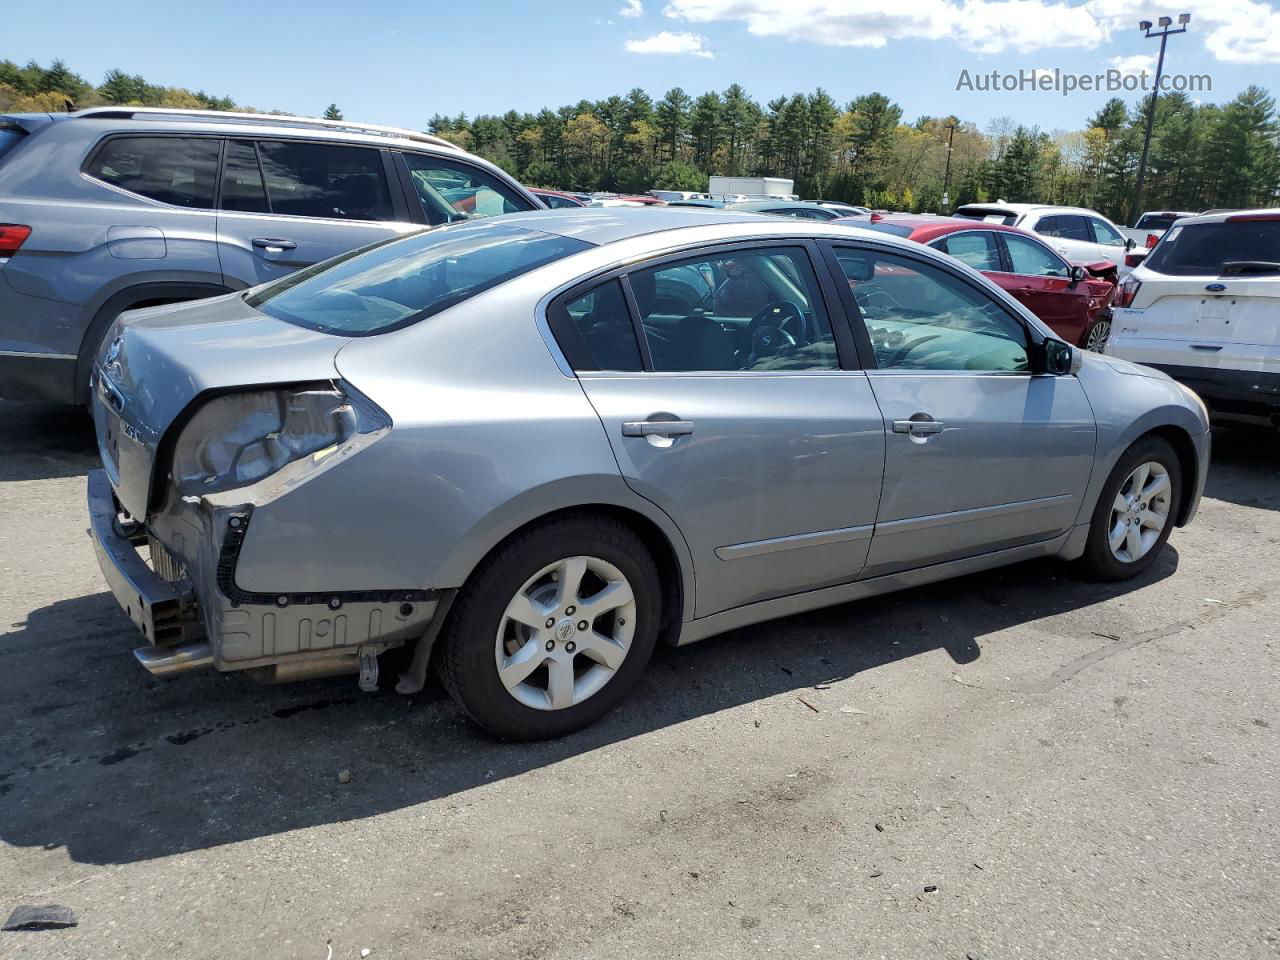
(1014,764)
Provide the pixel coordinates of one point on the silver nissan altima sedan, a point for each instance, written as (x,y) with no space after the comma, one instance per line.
(525,449)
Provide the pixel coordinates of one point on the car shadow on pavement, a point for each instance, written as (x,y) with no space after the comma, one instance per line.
(41,442)
(116,767)
(1246,466)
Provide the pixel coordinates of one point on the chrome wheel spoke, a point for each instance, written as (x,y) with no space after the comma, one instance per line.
(1157,486)
(1151,520)
(616,594)
(603,650)
(560,682)
(515,669)
(1133,542)
(1121,504)
(1118,532)
(570,574)
(524,609)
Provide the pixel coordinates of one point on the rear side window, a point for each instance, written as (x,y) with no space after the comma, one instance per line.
(977,250)
(9,137)
(1212,249)
(595,330)
(179,171)
(325,180)
(391,285)
(455,191)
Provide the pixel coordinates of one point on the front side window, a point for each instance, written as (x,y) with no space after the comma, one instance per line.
(325,180)
(1034,259)
(179,171)
(1105,234)
(455,191)
(920,317)
(744,310)
(977,250)
(393,284)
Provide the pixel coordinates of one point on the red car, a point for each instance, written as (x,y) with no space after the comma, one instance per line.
(555,199)
(1074,299)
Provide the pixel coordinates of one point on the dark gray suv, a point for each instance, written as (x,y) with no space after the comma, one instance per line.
(116,208)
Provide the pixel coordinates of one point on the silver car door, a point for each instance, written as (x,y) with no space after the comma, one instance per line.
(744,420)
(981,453)
(284,205)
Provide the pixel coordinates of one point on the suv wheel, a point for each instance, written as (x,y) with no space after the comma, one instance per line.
(554,629)
(1135,511)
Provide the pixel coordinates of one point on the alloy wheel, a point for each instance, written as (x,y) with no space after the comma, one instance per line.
(1140,512)
(565,633)
(1098,335)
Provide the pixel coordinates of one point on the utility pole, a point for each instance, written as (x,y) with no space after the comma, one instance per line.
(1145,26)
(946,177)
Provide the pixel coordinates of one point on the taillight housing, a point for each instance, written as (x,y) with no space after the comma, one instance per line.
(1152,240)
(1127,290)
(12,236)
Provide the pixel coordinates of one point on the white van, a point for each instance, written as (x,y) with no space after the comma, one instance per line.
(1205,308)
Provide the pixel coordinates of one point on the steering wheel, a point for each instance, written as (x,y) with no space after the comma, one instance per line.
(776,326)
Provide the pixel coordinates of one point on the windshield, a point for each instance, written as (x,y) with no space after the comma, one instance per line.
(1211,249)
(392,285)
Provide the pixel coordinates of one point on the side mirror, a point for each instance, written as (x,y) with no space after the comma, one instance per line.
(1130,243)
(1059,358)
(1078,273)
(858,269)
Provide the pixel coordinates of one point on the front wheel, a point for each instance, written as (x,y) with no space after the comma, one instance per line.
(1135,512)
(554,629)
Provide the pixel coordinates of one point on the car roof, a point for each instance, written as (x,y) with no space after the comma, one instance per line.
(601,226)
(776,203)
(1258,213)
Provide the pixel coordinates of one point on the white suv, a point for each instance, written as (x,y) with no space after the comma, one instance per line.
(1076,233)
(1205,308)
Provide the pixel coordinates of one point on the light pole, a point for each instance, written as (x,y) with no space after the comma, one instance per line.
(946,177)
(1163,33)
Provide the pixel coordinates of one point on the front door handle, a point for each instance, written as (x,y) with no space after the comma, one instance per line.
(657,428)
(918,428)
(272,245)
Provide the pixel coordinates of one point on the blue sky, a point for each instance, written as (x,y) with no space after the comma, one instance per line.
(399,63)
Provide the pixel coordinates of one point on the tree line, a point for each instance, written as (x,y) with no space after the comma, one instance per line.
(863,151)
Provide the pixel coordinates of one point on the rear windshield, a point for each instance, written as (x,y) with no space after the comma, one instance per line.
(392,285)
(1212,249)
(896,229)
(9,137)
(1157,221)
(986,215)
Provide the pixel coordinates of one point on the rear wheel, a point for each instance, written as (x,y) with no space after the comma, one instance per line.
(1096,338)
(1135,512)
(554,629)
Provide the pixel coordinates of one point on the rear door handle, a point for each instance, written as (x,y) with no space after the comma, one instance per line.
(657,428)
(272,245)
(918,428)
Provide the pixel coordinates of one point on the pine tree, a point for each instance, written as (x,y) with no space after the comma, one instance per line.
(331,112)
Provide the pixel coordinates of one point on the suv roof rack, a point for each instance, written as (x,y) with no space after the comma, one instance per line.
(347,126)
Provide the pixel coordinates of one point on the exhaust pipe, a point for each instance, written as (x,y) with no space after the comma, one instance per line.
(170,661)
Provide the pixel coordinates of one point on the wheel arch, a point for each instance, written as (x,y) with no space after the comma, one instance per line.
(1185,449)
(147,294)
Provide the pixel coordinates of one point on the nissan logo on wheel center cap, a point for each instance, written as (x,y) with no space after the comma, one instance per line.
(565,629)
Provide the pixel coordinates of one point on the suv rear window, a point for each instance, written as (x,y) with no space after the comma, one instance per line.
(175,170)
(987,214)
(9,137)
(394,284)
(1211,249)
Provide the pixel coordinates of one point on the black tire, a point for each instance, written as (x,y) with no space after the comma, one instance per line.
(1098,561)
(467,661)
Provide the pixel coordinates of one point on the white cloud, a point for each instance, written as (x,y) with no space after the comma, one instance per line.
(1134,65)
(694,44)
(1237,31)
(631,8)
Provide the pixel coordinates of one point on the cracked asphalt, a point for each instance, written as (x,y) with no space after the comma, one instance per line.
(1015,764)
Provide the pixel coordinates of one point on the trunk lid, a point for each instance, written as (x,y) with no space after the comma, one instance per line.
(1212,310)
(153,363)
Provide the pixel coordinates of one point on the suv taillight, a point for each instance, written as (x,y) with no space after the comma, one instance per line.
(1127,290)
(1152,240)
(12,236)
